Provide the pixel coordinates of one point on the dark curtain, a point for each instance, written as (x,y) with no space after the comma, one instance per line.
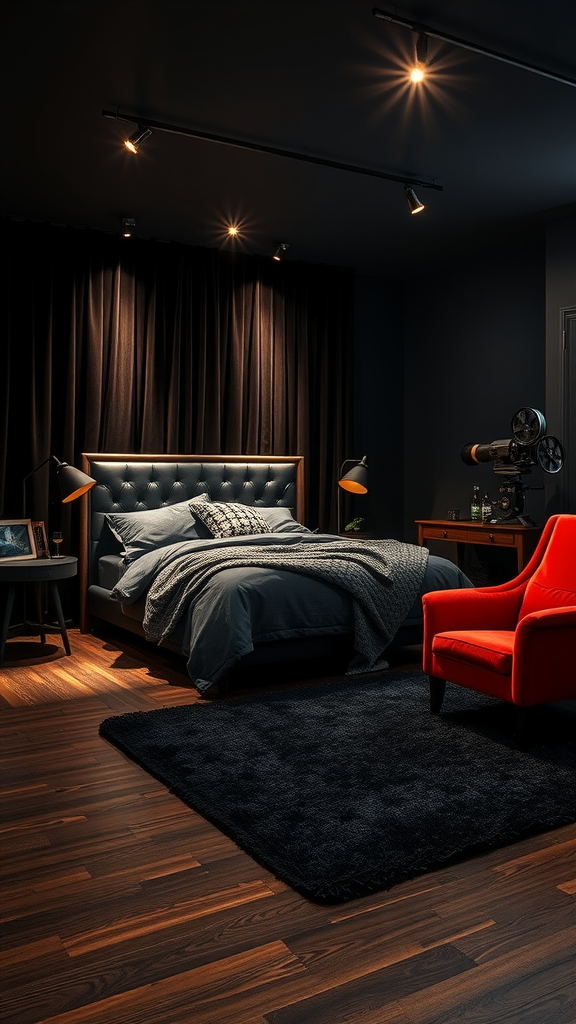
(125,345)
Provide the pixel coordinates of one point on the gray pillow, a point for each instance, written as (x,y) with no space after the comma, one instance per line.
(281,520)
(139,532)
(229,519)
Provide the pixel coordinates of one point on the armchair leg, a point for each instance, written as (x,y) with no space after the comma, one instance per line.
(437,691)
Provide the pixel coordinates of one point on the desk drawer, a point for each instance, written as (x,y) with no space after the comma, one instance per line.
(446,533)
(496,538)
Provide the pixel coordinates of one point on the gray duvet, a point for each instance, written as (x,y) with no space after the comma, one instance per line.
(222,596)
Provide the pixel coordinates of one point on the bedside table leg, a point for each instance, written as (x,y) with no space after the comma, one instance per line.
(39,611)
(59,615)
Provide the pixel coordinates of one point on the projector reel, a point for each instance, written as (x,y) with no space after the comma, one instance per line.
(550,454)
(528,426)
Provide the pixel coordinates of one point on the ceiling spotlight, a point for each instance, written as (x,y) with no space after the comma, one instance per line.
(413,202)
(134,141)
(128,225)
(280,251)
(417,72)
(421,48)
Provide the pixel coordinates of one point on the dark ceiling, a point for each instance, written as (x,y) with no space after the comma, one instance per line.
(320,77)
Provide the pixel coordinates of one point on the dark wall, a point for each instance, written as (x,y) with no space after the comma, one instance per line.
(474,354)
(561,359)
(378,361)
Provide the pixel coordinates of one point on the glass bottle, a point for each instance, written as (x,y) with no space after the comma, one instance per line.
(486,508)
(476,505)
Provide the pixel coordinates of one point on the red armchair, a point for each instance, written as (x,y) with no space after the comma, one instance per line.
(516,641)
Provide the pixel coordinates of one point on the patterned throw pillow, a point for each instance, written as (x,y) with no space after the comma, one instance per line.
(229,519)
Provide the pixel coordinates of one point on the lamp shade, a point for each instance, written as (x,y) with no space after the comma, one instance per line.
(413,202)
(356,480)
(72,482)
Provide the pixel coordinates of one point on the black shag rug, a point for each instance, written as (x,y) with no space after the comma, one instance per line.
(343,789)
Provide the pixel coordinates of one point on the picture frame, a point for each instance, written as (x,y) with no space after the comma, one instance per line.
(40,540)
(16,540)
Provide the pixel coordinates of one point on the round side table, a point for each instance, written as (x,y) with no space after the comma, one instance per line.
(35,570)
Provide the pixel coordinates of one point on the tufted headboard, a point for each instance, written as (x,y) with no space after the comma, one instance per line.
(134,483)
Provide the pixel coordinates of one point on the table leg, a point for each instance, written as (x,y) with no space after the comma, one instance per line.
(59,615)
(40,611)
(6,620)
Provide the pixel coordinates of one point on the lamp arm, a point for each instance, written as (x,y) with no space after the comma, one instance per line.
(51,458)
(27,478)
(344,464)
(339,495)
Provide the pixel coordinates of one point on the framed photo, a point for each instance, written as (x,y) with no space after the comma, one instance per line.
(40,540)
(17,539)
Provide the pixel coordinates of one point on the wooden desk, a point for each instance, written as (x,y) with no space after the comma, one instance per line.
(35,570)
(497,535)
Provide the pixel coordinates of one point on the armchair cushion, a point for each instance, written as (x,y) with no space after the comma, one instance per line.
(491,649)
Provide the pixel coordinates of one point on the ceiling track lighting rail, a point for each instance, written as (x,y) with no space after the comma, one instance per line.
(418,27)
(145,123)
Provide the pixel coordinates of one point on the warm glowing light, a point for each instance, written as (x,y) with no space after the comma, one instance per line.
(353,486)
(133,143)
(231,229)
(280,251)
(416,75)
(413,202)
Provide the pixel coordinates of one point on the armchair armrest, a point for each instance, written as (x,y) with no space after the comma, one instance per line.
(546,618)
(485,608)
(471,609)
(544,660)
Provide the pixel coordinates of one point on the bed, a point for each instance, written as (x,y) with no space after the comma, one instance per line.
(210,556)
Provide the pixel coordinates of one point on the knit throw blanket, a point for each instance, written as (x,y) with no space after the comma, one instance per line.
(383,578)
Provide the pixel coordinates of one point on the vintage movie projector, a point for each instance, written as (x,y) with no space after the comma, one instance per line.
(514,457)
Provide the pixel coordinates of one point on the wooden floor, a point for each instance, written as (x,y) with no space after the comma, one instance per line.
(122,906)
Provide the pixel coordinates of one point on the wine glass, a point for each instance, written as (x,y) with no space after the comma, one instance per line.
(57,538)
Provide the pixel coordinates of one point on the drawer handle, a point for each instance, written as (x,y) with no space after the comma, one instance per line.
(445,534)
(491,535)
